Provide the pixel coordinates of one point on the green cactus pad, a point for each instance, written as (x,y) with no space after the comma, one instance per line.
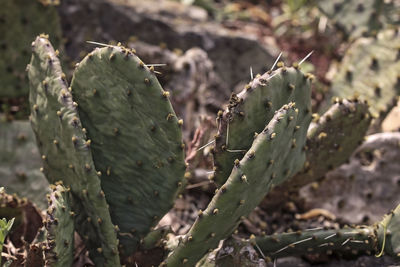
(60,228)
(380,238)
(317,241)
(20,162)
(249,111)
(360,17)
(136,139)
(371,69)
(66,154)
(249,182)
(332,140)
(20,22)
(389,234)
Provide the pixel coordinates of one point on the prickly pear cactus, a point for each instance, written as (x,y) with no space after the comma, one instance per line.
(371,69)
(317,240)
(66,152)
(360,17)
(20,22)
(250,180)
(59,223)
(389,234)
(135,137)
(332,140)
(249,111)
(380,238)
(20,162)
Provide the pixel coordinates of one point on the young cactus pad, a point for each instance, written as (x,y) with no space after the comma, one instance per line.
(136,139)
(249,111)
(380,238)
(332,140)
(250,180)
(66,154)
(60,228)
(20,22)
(370,69)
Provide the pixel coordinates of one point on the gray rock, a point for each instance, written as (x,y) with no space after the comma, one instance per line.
(366,188)
(170,23)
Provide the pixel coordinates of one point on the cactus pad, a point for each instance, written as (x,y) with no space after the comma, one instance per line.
(380,238)
(317,241)
(20,22)
(250,180)
(249,111)
(332,140)
(371,69)
(389,234)
(60,228)
(136,139)
(66,154)
(20,162)
(360,17)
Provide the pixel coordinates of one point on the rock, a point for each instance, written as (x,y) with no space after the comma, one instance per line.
(171,24)
(392,120)
(366,188)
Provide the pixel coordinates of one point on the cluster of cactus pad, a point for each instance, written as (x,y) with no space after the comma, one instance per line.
(111,145)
